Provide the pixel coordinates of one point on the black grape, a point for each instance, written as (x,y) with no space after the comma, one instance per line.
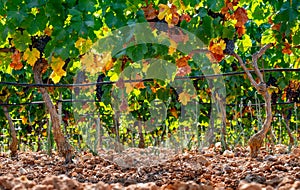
(272,81)
(229,46)
(40,42)
(99,91)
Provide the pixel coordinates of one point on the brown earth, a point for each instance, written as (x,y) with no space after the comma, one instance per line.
(154,169)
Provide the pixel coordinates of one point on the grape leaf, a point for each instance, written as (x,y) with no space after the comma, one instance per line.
(296,38)
(268,37)
(21,40)
(57,67)
(241,16)
(83,45)
(31,56)
(16,61)
(184,98)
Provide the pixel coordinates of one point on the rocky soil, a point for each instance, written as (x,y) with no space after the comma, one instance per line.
(154,168)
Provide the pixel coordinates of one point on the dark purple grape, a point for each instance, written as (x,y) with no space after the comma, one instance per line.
(272,81)
(215,15)
(229,46)
(40,42)
(99,90)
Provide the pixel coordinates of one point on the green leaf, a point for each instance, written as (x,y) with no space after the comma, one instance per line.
(21,40)
(86,5)
(268,37)
(160,69)
(296,38)
(16,17)
(76,14)
(4,32)
(215,5)
(258,13)
(245,43)
(228,32)
(36,23)
(110,19)
(89,20)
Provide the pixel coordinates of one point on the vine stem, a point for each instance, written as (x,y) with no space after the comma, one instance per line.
(256,141)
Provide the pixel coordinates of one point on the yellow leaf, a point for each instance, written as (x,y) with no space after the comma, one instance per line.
(57,67)
(163,11)
(272,89)
(129,87)
(172,47)
(184,98)
(31,56)
(57,76)
(83,45)
(94,63)
(24,119)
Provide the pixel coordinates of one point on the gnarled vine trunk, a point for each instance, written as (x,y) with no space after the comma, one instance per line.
(13,147)
(256,141)
(63,146)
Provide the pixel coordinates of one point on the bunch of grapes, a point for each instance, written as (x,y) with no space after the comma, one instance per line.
(272,81)
(292,91)
(275,96)
(40,42)
(229,46)
(99,91)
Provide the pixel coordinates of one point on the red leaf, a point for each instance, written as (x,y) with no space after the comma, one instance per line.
(16,61)
(241,16)
(150,12)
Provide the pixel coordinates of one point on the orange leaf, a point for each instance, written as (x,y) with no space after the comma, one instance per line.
(240,15)
(150,12)
(139,85)
(48,30)
(287,48)
(217,46)
(174,112)
(185,17)
(16,61)
(241,30)
(153,89)
(217,57)
(276,27)
(182,62)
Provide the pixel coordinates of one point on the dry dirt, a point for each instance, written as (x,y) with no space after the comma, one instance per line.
(154,169)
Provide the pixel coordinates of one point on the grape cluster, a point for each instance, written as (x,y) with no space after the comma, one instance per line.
(99,91)
(229,46)
(215,15)
(293,92)
(275,96)
(272,81)
(40,42)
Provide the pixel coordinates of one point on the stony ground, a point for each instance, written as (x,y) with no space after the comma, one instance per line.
(154,168)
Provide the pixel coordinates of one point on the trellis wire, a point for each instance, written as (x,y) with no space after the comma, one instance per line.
(145,80)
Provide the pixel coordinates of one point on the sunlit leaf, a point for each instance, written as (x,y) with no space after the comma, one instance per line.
(16,61)
(184,98)
(83,45)
(57,66)
(31,56)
